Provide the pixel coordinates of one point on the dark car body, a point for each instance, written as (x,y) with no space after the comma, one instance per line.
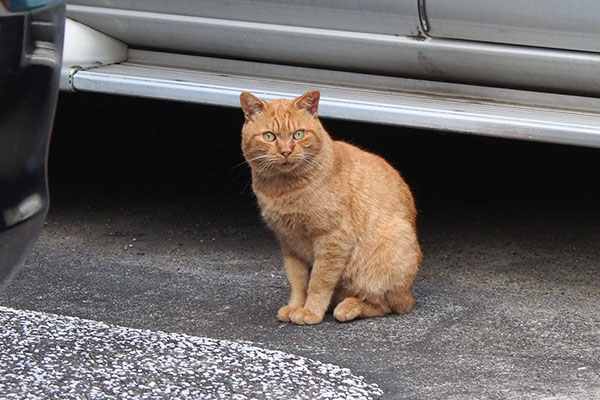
(31,38)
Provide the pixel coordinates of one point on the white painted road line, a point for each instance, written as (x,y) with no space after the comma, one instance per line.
(45,356)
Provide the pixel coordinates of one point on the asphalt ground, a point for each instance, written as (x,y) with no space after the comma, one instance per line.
(153,226)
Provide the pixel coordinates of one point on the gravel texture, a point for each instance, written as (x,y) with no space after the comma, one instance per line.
(46,356)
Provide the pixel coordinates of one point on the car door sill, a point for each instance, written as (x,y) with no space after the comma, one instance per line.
(506,113)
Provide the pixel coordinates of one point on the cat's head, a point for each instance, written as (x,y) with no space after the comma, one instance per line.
(283,135)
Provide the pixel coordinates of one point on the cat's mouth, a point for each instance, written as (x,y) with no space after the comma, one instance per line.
(287,165)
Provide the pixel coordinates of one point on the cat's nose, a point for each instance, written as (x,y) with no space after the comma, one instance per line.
(286,153)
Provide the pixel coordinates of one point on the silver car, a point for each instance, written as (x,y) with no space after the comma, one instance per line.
(515,69)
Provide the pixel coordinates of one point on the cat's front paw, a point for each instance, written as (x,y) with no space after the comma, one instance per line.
(284,314)
(302,316)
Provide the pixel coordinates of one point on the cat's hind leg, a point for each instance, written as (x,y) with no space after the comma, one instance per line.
(401,300)
(352,307)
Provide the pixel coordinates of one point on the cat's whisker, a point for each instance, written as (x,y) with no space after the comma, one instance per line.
(247,162)
(247,184)
(259,157)
(265,165)
(240,164)
(312,160)
(261,168)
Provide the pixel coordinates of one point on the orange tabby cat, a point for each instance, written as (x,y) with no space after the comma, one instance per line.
(345,218)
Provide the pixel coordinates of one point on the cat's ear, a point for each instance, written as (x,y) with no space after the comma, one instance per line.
(251,105)
(309,101)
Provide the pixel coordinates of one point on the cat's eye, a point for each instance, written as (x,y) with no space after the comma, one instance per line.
(299,134)
(269,136)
